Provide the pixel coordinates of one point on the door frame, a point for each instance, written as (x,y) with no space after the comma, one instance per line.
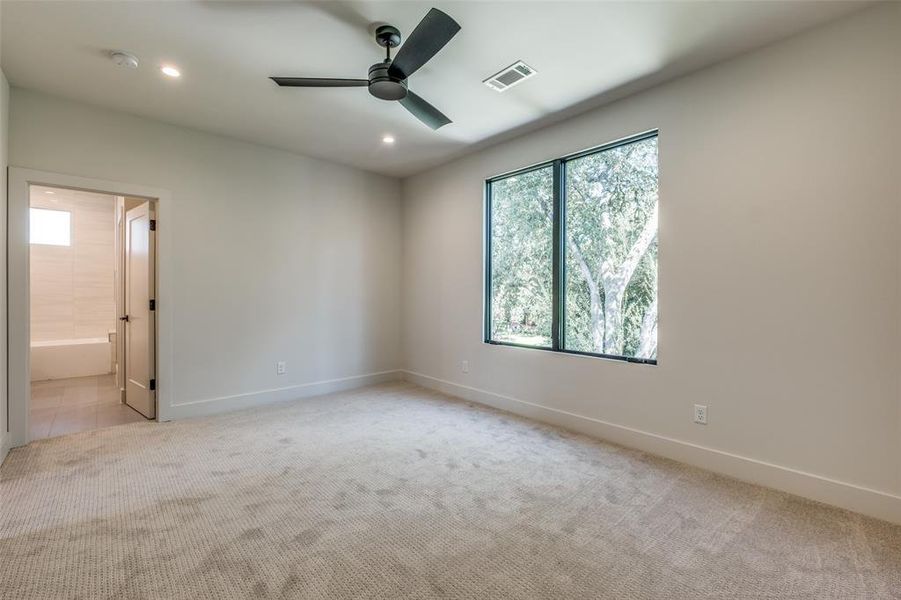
(19,293)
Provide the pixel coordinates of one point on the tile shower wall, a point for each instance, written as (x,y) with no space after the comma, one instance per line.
(72,287)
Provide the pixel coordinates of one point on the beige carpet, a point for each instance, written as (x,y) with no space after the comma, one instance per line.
(398,492)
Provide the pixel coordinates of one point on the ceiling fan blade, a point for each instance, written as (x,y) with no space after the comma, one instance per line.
(318,82)
(434,31)
(424,111)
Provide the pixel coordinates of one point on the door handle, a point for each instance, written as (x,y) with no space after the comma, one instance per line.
(125,318)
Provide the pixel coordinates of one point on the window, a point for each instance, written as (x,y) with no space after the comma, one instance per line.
(50,227)
(572,253)
(522,266)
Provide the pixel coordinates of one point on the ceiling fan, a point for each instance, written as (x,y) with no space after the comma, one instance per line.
(388,79)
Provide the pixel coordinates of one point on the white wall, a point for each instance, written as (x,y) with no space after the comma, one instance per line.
(4,153)
(779,270)
(277,256)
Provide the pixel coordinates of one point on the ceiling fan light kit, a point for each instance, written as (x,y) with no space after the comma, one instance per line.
(388,79)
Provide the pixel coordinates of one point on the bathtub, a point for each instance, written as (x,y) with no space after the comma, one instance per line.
(58,359)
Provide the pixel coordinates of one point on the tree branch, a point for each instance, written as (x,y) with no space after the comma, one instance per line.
(594,296)
(647,235)
(647,339)
(615,285)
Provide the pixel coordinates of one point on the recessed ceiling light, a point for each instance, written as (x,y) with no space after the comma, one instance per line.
(170,71)
(388,139)
(48,192)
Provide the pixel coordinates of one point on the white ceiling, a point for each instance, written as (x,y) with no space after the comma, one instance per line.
(584,52)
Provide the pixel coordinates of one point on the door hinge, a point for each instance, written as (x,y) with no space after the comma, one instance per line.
(152,224)
(152,304)
(152,385)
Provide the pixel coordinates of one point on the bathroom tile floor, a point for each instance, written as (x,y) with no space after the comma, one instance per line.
(63,406)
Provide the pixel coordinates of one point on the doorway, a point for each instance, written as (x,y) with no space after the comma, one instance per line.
(92,330)
(158,327)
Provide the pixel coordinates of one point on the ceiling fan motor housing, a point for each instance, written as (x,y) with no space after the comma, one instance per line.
(383,86)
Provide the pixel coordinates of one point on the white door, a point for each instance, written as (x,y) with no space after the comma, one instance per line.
(140,326)
(120,295)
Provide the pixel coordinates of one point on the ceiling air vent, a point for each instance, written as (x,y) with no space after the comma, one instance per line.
(512,75)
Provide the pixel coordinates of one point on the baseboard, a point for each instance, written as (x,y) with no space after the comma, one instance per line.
(211,406)
(874,503)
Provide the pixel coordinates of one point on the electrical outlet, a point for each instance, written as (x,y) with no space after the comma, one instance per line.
(281,368)
(465,366)
(701,414)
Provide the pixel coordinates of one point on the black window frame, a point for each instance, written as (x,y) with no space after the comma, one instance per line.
(558,306)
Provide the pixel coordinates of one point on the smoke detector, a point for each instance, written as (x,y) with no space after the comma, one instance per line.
(505,79)
(124,59)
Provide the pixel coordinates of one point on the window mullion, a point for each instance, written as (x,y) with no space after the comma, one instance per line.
(558,273)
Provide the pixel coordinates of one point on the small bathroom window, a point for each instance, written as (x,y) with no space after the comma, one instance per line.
(50,227)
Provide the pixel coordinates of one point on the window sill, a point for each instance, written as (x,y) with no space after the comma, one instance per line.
(609,357)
